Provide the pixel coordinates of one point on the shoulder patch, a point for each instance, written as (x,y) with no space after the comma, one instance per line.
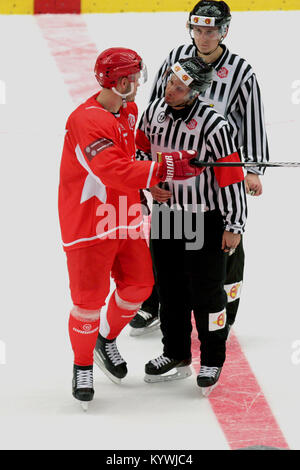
(96,147)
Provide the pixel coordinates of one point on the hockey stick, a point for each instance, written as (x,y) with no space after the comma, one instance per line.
(202,164)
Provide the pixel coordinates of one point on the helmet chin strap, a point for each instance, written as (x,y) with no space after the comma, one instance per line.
(124,95)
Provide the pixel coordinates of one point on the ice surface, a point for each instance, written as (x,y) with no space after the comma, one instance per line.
(36,406)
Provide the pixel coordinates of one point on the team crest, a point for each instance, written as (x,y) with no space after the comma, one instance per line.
(131,121)
(223,72)
(192,124)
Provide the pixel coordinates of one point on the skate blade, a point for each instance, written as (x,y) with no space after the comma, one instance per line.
(102,367)
(181,373)
(143,331)
(206,391)
(84,405)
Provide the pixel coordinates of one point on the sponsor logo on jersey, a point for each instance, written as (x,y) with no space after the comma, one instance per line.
(223,72)
(161,117)
(192,124)
(96,147)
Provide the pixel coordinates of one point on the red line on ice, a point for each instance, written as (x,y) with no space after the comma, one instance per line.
(238,401)
(73,51)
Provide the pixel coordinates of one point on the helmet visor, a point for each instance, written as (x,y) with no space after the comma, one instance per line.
(141,76)
(206,32)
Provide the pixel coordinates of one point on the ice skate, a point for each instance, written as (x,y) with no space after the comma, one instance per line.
(164,369)
(207,379)
(143,322)
(82,385)
(109,360)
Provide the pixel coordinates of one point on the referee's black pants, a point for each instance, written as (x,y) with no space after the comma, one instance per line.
(233,285)
(192,280)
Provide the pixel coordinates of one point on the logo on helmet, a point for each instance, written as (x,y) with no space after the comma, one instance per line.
(207,20)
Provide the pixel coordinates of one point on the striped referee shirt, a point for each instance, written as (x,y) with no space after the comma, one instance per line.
(235,94)
(200,128)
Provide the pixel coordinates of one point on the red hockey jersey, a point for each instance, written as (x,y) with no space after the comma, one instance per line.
(99,177)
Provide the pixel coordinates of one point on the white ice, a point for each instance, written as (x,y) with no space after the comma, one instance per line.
(37,410)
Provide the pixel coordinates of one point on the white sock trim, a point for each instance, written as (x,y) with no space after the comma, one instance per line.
(125,305)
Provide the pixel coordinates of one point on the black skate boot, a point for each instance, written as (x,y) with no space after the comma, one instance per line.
(143,322)
(82,385)
(109,360)
(207,378)
(157,370)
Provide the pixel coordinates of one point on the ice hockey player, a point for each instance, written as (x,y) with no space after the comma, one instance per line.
(101,216)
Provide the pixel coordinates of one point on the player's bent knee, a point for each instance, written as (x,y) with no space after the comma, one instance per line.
(131,298)
(83,314)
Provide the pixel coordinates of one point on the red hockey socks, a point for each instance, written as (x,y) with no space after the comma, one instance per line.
(116,317)
(83,332)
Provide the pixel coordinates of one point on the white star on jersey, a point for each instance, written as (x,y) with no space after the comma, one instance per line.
(93,185)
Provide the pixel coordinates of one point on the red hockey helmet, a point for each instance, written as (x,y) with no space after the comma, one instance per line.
(115,63)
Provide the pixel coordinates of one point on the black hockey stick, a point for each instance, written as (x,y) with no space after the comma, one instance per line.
(202,164)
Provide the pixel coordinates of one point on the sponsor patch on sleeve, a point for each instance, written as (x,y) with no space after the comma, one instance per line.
(96,147)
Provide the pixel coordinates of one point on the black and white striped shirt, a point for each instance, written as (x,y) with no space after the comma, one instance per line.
(204,130)
(235,94)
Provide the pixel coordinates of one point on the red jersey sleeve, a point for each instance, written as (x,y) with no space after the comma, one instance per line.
(105,145)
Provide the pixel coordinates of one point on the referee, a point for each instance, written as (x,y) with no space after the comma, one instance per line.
(235,94)
(191,277)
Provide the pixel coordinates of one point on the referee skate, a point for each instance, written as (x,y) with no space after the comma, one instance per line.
(164,369)
(144,322)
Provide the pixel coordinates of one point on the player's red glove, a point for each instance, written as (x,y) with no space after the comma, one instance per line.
(176,165)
